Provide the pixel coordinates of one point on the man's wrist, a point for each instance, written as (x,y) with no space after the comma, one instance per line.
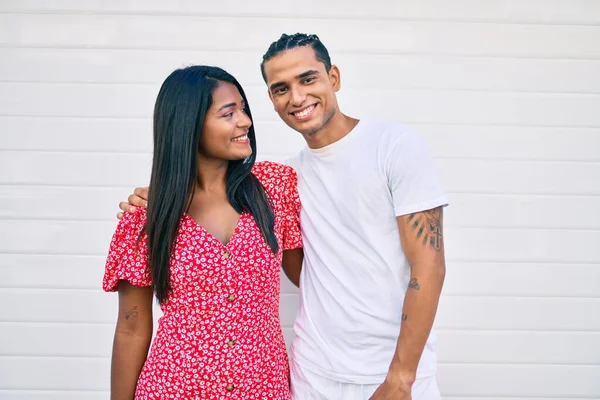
(401,375)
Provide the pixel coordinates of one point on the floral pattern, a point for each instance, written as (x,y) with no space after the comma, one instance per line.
(220,335)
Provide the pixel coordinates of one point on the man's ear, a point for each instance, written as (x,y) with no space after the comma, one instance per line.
(335,78)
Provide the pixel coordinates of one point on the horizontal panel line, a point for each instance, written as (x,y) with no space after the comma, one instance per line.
(449,397)
(296,16)
(518,331)
(149,153)
(71,220)
(476,330)
(130,186)
(484,364)
(582,366)
(91,289)
(270,121)
(452,226)
(437,329)
(128,118)
(512,194)
(52,357)
(50,390)
(461,260)
(448,260)
(252,51)
(276,121)
(98,289)
(370,87)
(53,391)
(460,193)
(519,397)
(552,262)
(261,50)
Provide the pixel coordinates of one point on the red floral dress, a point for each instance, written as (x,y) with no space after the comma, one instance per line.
(220,336)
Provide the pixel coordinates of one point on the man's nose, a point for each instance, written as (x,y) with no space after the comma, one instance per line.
(298,97)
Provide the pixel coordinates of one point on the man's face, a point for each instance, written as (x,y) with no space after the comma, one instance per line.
(302,92)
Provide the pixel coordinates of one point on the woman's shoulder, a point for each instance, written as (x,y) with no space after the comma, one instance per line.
(275,177)
(133,221)
(267,171)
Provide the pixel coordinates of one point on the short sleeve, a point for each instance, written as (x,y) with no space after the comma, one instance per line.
(412,175)
(127,256)
(292,236)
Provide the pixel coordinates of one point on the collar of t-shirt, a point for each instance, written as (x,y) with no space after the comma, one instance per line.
(335,146)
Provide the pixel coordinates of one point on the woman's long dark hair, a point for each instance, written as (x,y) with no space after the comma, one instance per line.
(183,101)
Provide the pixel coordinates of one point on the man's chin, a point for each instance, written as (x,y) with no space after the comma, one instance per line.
(308,128)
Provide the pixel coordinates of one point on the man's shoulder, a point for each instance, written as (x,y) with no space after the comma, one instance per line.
(390,132)
(295,160)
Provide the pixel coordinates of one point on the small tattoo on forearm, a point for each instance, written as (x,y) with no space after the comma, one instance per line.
(404,317)
(414,284)
(428,227)
(132,313)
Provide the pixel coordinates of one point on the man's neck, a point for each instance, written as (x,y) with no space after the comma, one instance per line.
(339,126)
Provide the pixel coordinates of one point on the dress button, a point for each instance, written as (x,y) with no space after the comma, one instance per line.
(231,343)
(226,254)
(230,387)
(231,298)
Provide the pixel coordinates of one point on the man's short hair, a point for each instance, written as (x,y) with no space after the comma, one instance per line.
(287,42)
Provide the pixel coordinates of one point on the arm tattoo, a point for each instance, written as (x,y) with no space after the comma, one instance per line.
(428,227)
(131,313)
(414,284)
(404,317)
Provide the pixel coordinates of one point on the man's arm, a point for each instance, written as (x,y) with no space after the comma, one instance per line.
(139,198)
(292,265)
(421,236)
(292,259)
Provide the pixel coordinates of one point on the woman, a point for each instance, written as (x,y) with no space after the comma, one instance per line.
(209,247)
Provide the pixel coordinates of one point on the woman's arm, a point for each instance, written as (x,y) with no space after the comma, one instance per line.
(133,335)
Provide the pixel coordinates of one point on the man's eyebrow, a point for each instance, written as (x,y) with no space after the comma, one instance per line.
(276,85)
(307,73)
(302,75)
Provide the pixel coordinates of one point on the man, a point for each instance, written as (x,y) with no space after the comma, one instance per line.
(371,222)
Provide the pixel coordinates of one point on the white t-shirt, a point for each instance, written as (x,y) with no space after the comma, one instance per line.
(355,274)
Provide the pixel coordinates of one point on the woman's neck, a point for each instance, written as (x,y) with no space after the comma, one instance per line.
(212,174)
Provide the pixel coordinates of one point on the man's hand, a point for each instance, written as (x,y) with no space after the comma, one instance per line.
(139,198)
(394,389)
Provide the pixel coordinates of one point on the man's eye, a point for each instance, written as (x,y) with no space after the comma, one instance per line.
(309,80)
(280,90)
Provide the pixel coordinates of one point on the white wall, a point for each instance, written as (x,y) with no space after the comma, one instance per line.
(506,92)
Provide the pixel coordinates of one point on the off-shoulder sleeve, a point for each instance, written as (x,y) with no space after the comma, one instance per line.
(127,256)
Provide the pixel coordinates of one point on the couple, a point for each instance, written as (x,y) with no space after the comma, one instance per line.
(369,259)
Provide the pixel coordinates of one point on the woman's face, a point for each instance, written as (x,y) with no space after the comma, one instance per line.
(226,125)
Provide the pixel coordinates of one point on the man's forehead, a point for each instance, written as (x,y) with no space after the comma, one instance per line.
(291,63)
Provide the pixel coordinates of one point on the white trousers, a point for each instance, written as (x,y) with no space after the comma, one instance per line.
(307,385)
